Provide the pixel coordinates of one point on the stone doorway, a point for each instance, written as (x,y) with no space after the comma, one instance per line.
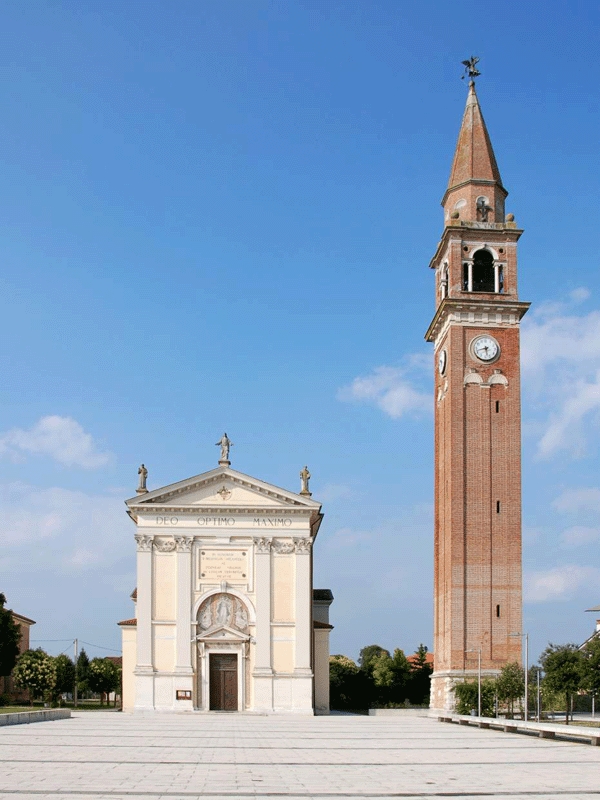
(223,682)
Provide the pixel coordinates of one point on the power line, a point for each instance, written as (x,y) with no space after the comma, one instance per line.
(89,644)
(37,641)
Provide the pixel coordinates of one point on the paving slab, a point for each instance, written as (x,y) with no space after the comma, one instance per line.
(111,756)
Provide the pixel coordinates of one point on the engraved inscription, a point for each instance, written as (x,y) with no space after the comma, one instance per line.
(223,565)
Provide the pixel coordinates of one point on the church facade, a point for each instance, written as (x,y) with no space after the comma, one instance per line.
(475,333)
(226,615)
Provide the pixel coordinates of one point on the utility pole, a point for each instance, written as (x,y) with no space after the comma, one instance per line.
(76,648)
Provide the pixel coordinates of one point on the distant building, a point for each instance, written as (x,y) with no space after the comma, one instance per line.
(6,683)
(596,633)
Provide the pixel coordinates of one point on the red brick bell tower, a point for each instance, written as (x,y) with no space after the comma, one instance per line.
(475,331)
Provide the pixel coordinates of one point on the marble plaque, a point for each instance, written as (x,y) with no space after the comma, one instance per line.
(223,565)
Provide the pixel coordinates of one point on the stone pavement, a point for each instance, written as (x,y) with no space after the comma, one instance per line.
(99,755)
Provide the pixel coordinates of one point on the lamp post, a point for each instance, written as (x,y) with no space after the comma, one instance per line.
(526,637)
(478,651)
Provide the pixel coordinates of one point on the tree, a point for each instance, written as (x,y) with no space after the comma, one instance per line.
(564,672)
(65,675)
(467,694)
(419,679)
(35,671)
(10,636)
(591,666)
(103,676)
(349,686)
(510,684)
(369,654)
(83,669)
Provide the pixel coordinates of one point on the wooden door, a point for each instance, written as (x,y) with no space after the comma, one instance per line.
(223,682)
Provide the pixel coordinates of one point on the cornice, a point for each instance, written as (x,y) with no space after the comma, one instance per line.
(457,229)
(221,510)
(465,311)
(473,182)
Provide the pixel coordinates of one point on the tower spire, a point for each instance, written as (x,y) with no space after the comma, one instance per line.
(474,175)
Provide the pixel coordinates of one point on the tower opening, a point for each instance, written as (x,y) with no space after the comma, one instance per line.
(483,271)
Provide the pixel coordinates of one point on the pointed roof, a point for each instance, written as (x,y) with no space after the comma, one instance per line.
(474,158)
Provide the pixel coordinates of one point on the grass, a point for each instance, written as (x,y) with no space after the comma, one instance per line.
(14,709)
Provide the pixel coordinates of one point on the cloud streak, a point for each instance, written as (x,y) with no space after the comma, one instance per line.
(393,390)
(60,438)
(559,583)
(560,358)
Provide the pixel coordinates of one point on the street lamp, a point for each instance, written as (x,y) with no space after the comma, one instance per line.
(526,636)
(478,651)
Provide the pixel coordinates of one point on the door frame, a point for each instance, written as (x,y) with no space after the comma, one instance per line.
(205,650)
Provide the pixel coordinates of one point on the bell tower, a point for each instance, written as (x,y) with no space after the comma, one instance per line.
(475,332)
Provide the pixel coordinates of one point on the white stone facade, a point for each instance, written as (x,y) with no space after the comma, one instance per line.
(224,600)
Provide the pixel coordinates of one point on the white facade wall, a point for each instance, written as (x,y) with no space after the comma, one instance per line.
(224,568)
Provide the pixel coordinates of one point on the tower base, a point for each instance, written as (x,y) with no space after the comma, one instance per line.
(442,697)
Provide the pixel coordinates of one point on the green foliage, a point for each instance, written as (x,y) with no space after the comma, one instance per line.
(65,675)
(349,687)
(564,670)
(35,672)
(419,679)
(510,684)
(370,654)
(381,670)
(10,636)
(104,676)
(591,666)
(467,697)
(83,671)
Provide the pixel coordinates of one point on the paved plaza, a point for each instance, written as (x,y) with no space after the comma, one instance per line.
(111,755)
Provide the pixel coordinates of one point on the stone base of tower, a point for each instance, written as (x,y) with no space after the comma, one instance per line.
(442,697)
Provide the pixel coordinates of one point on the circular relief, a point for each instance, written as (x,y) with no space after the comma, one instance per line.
(442,362)
(485,348)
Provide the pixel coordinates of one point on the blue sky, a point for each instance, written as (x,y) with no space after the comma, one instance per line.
(219,216)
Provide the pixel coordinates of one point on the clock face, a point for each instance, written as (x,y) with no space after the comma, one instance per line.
(442,361)
(486,348)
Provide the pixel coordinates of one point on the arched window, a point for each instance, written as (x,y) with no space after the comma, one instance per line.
(483,271)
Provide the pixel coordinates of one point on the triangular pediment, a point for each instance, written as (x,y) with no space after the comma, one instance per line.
(223,633)
(221,488)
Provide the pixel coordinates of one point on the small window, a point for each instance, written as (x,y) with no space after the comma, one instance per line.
(501,279)
(497,506)
(497,406)
(465,277)
(498,611)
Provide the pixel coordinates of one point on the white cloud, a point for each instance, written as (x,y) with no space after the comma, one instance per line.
(579,535)
(561,373)
(59,529)
(579,295)
(559,583)
(576,500)
(61,438)
(391,390)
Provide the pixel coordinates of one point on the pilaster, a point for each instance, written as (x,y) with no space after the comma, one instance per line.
(144,603)
(183,648)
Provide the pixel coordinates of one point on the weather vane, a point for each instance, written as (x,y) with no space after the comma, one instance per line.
(471,68)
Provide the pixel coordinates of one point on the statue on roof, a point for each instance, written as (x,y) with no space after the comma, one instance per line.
(471,68)
(224,443)
(143,473)
(304,479)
